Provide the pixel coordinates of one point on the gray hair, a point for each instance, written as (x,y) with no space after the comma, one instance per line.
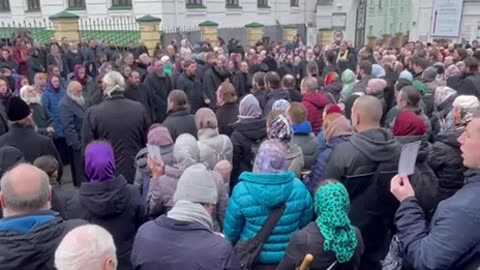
(114,82)
(25,203)
(310,84)
(85,247)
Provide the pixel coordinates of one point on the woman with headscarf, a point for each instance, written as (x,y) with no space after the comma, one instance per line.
(348,82)
(331,238)
(279,127)
(332,88)
(443,98)
(376,88)
(454,78)
(88,84)
(213,146)
(337,130)
(20,82)
(409,128)
(248,132)
(55,57)
(268,186)
(109,201)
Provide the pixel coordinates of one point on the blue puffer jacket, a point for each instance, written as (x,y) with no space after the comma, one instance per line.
(251,203)
(51,100)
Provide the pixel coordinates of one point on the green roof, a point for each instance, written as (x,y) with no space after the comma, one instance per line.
(64,15)
(254,25)
(208,23)
(289,26)
(148,18)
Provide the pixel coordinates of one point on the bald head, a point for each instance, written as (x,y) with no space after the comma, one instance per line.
(367,112)
(309,85)
(288,82)
(75,250)
(24,189)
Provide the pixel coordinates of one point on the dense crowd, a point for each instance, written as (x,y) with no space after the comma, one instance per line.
(264,155)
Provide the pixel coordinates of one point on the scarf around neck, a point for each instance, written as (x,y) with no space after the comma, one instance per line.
(332,206)
(191,212)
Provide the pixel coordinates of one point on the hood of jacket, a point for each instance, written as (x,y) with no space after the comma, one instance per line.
(425,147)
(377,144)
(334,88)
(316,99)
(278,94)
(450,138)
(109,198)
(268,189)
(142,155)
(294,151)
(304,128)
(252,128)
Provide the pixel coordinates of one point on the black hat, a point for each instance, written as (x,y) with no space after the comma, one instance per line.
(17,109)
(9,157)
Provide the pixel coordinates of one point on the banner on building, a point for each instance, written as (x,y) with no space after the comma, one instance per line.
(446,17)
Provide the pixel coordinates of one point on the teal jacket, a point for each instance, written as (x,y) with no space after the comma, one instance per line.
(251,203)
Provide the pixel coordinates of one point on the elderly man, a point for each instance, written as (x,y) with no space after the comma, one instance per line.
(42,120)
(451,240)
(29,232)
(166,243)
(72,113)
(75,250)
(120,121)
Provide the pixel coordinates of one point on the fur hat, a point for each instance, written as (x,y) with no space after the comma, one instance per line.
(17,109)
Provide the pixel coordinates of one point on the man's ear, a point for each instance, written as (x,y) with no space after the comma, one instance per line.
(2,201)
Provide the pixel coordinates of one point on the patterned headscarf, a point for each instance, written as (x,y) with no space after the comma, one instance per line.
(332,206)
(280,128)
(452,71)
(271,158)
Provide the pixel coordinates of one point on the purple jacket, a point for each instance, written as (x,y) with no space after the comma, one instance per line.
(165,243)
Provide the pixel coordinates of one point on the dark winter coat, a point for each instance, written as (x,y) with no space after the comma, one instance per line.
(227,114)
(332,92)
(158,88)
(469,85)
(328,69)
(455,83)
(192,86)
(3,120)
(446,161)
(288,69)
(355,163)
(179,122)
(50,101)
(452,238)
(115,206)
(211,81)
(361,85)
(170,244)
(124,124)
(261,96)
(247,134)
(10,64)
(315,103)
(73,59)
(306,140)
(309,240)
(423,180)
(241,83)
(273,96)
(441,113)
(40,117)
(34,247)
(140,94)
(36,64)
(71,116)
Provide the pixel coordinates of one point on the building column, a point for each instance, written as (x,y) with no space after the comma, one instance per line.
(254,33)
(387,38)
(325,36)
(399,37)
(372,42)
(66,25)
(149,31)
(209,31)
(289,33)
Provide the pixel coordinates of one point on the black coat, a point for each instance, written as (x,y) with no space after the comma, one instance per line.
(211,81)
(124,124)
(72,115)
(158,88)
(447,163)
(273,96)
(35,249)
(309,240)
(192,86)
(140,94)
(241,83)
(295,95)
(288,69)
(247,134)
(72,60)
(179,122)
(10,64)
(30,143)
(227,114)
(115,206)
(36,64)
(41,118)
(3,120)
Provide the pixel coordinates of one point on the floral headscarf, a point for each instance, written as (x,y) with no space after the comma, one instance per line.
(280,128)
(332,206)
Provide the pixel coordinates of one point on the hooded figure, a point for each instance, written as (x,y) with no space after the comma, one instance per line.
(443,99)
(332,88)
(213,146)
(348,82)
(109,201)
(279,127)
(269,186)
(331,237)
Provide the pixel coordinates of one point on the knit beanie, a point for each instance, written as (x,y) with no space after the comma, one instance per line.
(466,102)
(159,136)
(17,109)
(205,118)
(429,74)
(378,71)
(280,105)
(197,184)
(406,75)
(375,86)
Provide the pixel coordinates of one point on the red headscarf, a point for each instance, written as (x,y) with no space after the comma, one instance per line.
(330,78)
(409,124)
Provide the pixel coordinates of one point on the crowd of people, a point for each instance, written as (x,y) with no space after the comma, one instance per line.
(264,155)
